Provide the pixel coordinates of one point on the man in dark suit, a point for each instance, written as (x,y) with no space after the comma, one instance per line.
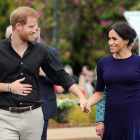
(49,107)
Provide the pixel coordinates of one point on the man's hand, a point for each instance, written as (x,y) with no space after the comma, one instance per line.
(100,129)
(20,89)
(82,100)
(85,107)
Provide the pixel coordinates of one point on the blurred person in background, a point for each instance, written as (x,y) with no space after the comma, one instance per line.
(100,112)
(90,81)
(84,86)
(85,70)
(49,107)
(69,70)
(8,31)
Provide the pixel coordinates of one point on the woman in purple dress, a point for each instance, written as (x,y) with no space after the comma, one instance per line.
(120,73)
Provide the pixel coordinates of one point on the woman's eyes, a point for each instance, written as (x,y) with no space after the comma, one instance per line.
(112,38)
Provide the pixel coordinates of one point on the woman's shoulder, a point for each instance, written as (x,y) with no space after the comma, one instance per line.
(106,58)
(136,56)
(103,61)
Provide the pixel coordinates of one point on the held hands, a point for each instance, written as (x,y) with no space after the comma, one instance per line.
(85,106)
(20,89)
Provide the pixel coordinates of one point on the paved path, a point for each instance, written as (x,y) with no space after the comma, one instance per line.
(74,133)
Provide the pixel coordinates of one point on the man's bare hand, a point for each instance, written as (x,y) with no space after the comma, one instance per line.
(85,107)
(20,89)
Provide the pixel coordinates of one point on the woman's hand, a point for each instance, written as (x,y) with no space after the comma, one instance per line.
(100,129)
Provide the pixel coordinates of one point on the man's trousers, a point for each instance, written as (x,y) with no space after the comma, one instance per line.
(21,126)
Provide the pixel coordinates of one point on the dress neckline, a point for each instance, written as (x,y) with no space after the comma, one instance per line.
(122,58)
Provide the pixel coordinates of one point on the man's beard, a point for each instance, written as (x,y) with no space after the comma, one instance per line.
(26,37)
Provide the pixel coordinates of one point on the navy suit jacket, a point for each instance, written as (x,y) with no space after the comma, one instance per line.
(49,107)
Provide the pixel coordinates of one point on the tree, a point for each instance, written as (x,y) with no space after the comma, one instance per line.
(82,26)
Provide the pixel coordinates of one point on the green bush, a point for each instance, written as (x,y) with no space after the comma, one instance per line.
(71,112)
(77,118)
(92,115)
(64,96)
(66,103)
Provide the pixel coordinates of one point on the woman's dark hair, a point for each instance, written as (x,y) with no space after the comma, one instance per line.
(124,31)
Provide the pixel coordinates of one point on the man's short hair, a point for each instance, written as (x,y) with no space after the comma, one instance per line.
(21,14)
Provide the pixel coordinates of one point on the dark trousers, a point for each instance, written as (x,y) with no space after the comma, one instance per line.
(44,133)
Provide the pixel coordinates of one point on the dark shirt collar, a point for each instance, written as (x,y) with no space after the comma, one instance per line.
(10,45)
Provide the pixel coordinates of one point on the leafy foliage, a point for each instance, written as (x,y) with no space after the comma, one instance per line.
(66,103)
(82,26)
(72,112)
